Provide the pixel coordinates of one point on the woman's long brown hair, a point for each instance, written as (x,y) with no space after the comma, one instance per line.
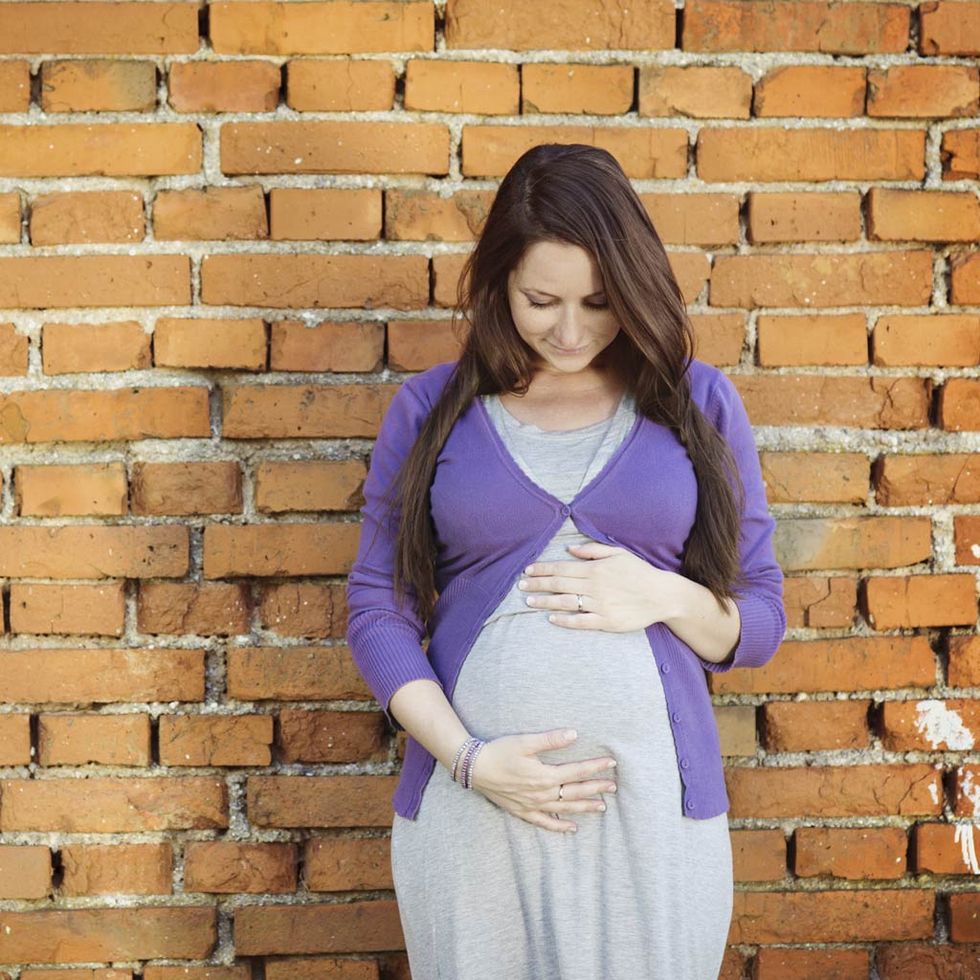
(575,194)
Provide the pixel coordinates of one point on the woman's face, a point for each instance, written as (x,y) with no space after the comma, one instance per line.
(559,306)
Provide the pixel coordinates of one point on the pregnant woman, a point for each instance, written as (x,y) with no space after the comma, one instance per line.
(573,513)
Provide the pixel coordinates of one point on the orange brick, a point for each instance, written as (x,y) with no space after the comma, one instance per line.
(964,918)
(461,86)
(647,152)
(325,214)
(896,961)
(107,28)
(945,849)
(924,216)
(942,341)
(320,801)
(331,146)
(812,217)
(77,739)
(118,414)
(282,486)
(719,337)
(966,533)
(124,869)
(111,804)
(213,213)
(10,216)
(966,795)
(835,791)
(913,91)
(810,91)
(576,88)
(14,351)
(758,855)
(787,963)
(293,673)
(922,479)
(815,477)
(812,339)
(15,86)
(694,219)
(212,608)
(820,602)
(833,915)
(187,488)
(73,348)
(280,549)
(414,345)
(44,935)
(910,601)
(215,740)
(303,609)
(41,608)
(965,277)
(240,972)
(959,154)
(803,726)
(327,346)
(232,867)
(698,91)
(339,85)
(87,216)
(290,281)
(571,26)
(103,675)
(210,343)
(338,864)
(412,214)
(852,542)
(930,725)
(843,664)
(948,27)
(25,871)
(736,728)
(15,743)
(100,149)
(964,660)
(320,28)
(226,86)
(866,402)
(94,280)
(331,736)
(98,85)
(959,405)
(817,279)
(768,153)
(855,853)
(783,25)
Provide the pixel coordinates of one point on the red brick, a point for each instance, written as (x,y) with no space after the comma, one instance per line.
(854,853)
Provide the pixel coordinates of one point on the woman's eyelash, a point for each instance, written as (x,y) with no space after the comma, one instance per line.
(594,306)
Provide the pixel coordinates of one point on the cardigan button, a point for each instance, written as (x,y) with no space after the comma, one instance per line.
(690,804)
(665,668)
(566,510)
(685,763)
(676,716)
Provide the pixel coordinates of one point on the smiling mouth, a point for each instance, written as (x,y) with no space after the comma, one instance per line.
(569,350)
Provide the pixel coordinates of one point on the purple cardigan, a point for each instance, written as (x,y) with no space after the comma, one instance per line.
(492,520)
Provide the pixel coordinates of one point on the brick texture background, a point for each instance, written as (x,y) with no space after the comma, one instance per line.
(228,231)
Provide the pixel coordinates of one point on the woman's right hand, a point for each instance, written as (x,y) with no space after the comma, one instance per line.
(507,772)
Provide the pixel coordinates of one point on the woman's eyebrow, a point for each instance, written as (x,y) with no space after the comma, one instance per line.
(598,292)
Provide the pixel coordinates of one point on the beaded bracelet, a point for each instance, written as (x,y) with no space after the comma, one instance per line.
(468,751)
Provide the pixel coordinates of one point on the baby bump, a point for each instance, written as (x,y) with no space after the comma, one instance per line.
(525,674)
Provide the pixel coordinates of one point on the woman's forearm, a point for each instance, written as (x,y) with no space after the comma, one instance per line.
(700,623)
(422,709)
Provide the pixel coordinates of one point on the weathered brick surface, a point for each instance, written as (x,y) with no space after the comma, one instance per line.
(229,231)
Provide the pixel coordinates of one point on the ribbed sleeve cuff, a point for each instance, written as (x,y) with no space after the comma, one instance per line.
(388,658)
(763,628)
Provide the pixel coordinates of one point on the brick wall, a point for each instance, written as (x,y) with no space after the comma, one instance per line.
(229,230)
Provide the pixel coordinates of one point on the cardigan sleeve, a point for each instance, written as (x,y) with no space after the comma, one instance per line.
(385,637)
(760,605)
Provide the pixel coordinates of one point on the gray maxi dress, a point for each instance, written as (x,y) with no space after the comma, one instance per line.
(640,890)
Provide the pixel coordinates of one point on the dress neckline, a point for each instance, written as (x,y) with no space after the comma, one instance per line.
(518,423)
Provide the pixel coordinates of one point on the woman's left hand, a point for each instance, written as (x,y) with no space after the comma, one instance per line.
(620,591)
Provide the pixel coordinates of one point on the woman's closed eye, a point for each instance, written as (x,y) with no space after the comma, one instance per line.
(591,306)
